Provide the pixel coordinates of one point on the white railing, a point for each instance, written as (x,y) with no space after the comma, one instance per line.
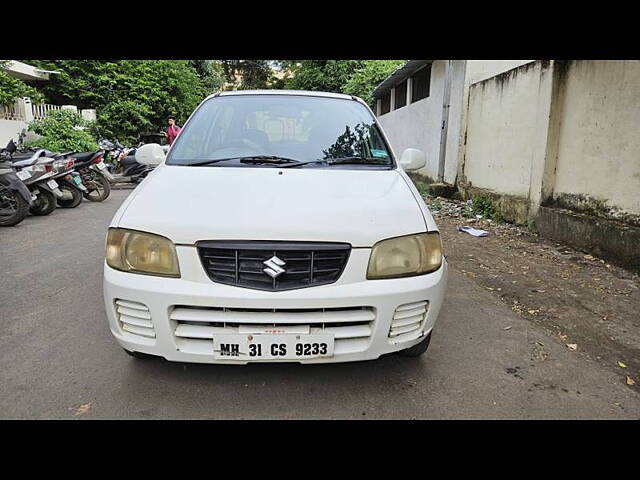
(11,112)
(42,110)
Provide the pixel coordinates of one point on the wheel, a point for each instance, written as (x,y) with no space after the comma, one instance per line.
(72,195)
(138,355)
(13,208)
(44,204)
(417,349)
(98,188)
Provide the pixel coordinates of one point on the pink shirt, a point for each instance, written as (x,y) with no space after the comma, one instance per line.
(172,133)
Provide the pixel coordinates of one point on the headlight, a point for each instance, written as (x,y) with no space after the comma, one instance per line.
(140,252)
(405,256)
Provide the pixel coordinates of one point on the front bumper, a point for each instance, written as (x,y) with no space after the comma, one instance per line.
(373,302)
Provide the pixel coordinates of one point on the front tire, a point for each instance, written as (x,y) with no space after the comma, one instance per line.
(418,349)
(13,208)
(73,195)
(44,204)
(99,188)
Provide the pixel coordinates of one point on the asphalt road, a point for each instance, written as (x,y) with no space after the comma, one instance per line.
(58,359)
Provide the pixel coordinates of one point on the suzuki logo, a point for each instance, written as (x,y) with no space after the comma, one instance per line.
(274,267)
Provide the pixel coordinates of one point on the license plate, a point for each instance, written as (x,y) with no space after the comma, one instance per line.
(77,180)
(23,174)
(52,184)
(252,346)
(102,166)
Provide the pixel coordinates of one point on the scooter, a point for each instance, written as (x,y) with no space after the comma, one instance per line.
(125,169)
(94,174)
(36,171)
(15,197)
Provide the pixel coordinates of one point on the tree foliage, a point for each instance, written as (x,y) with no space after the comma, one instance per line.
(353,77)
(247,74)
(371,74)
(136,96)
(59,132)
(13,88)
(211,74)
(323,75)
(130,96)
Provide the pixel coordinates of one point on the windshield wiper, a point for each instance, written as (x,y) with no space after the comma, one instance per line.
(207,162)
(255,159)
(343,161)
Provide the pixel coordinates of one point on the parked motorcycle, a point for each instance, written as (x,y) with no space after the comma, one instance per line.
(15,197)
(94,174)
(36,170)
(72,189)
(125,168)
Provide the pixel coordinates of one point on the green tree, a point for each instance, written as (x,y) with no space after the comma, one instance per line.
(323,75)
(368,76)
(13,88)
(251,74)
(61,131)
(211,74)
(130,96)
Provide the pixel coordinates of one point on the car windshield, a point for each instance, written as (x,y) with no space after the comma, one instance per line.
(268,130)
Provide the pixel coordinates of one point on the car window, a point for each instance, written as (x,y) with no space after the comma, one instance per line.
(303,128)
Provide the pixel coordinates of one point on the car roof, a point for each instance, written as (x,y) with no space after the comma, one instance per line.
(283,92)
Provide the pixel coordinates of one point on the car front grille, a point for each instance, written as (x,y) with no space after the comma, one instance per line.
(195,327)
(243,263)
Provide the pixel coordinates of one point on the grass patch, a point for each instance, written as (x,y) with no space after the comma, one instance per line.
(481,205)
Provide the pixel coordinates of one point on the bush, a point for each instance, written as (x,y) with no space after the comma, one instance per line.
(129,96)
(60,132)
(12,88)
(481,205)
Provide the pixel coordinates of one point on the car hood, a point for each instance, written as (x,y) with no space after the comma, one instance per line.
(188,204)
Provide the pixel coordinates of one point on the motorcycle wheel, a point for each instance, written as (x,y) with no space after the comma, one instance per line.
(72,195)
(44,204)
(98,188)
(13,208)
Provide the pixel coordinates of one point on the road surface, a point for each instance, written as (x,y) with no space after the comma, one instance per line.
(58,359)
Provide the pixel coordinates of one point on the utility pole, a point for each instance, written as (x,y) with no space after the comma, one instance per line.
(445,119)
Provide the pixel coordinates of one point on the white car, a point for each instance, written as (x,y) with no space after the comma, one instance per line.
(278,227)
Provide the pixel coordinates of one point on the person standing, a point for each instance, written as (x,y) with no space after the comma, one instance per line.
(173,130)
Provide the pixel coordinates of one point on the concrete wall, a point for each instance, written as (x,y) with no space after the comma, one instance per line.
(599,145)
(503,144)
(419,124)
(478,70)
(10,129)
(558,134)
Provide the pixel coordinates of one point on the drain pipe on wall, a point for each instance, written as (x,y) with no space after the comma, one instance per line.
(445,119)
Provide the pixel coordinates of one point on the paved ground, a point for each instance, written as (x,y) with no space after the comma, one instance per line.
(58,360)
(588,304)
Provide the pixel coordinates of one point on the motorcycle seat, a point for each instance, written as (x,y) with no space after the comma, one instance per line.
(128,161)
(83,156)
(27,159)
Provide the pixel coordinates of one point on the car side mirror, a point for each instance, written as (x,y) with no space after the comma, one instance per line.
(412,159)
(150,154)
